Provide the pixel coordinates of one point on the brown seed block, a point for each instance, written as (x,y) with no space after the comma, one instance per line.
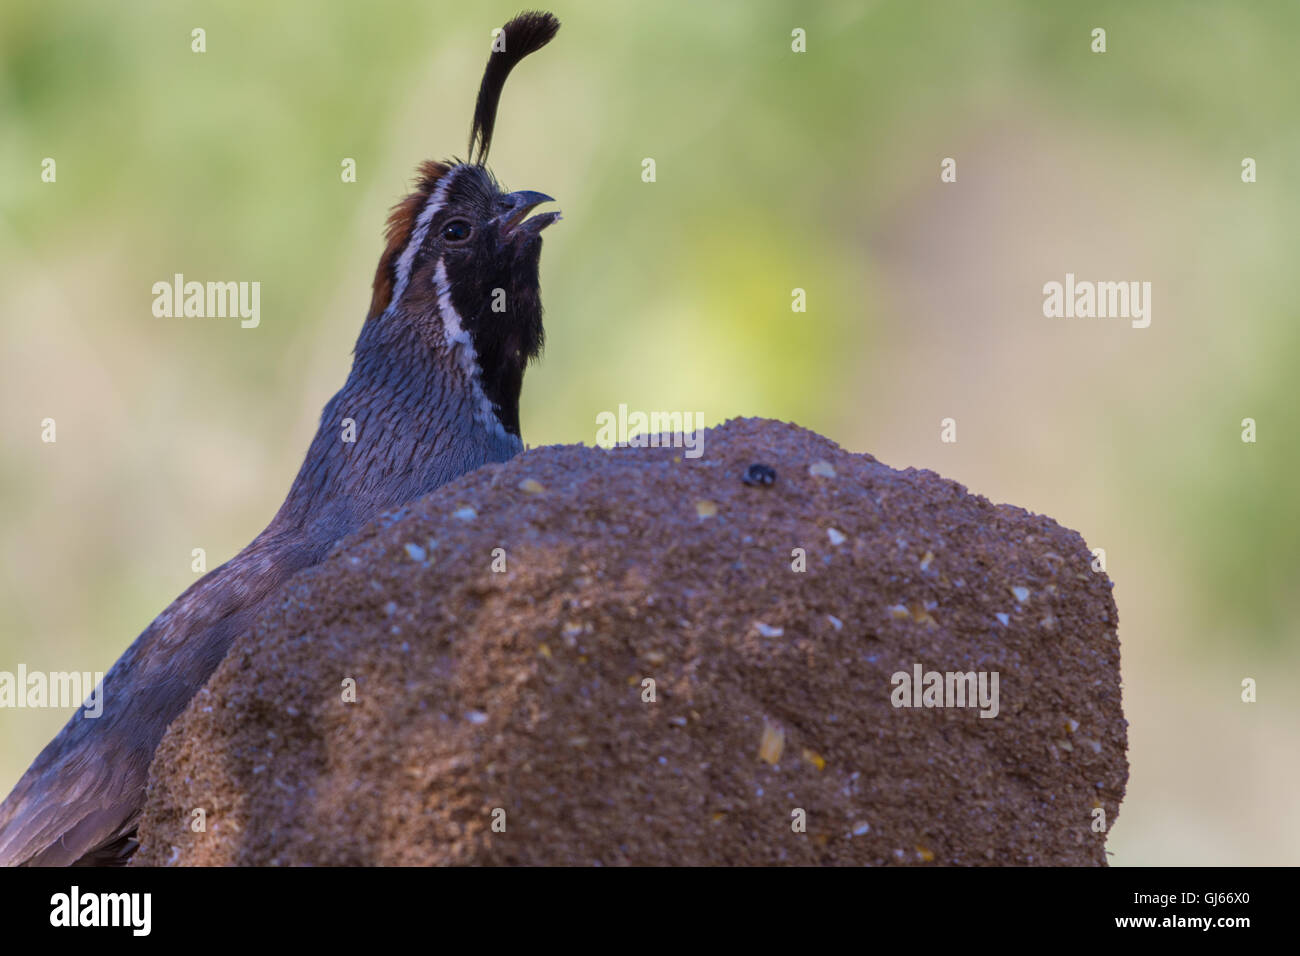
(641,686)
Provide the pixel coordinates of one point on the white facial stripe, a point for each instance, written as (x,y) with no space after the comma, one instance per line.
(437,200)
(459,343)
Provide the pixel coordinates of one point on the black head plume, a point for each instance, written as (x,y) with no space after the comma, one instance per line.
(525,34)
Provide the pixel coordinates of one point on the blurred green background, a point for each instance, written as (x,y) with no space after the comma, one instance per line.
(775,170)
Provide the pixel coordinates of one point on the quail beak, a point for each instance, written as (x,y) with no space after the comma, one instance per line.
(511,222)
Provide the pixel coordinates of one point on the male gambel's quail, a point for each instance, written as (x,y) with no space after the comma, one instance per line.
(434,393)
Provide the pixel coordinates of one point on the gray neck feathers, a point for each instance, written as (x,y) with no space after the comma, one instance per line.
(418,424)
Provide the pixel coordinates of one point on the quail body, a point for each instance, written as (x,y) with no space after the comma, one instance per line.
(454,320)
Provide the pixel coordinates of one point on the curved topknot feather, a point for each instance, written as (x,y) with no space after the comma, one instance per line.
(525,34)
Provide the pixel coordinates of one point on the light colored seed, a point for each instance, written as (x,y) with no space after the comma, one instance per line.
(772,744)
(814,758)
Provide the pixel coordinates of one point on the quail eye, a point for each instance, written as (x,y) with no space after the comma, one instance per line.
(457,230)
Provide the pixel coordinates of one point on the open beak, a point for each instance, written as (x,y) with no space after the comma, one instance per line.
(518,205)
